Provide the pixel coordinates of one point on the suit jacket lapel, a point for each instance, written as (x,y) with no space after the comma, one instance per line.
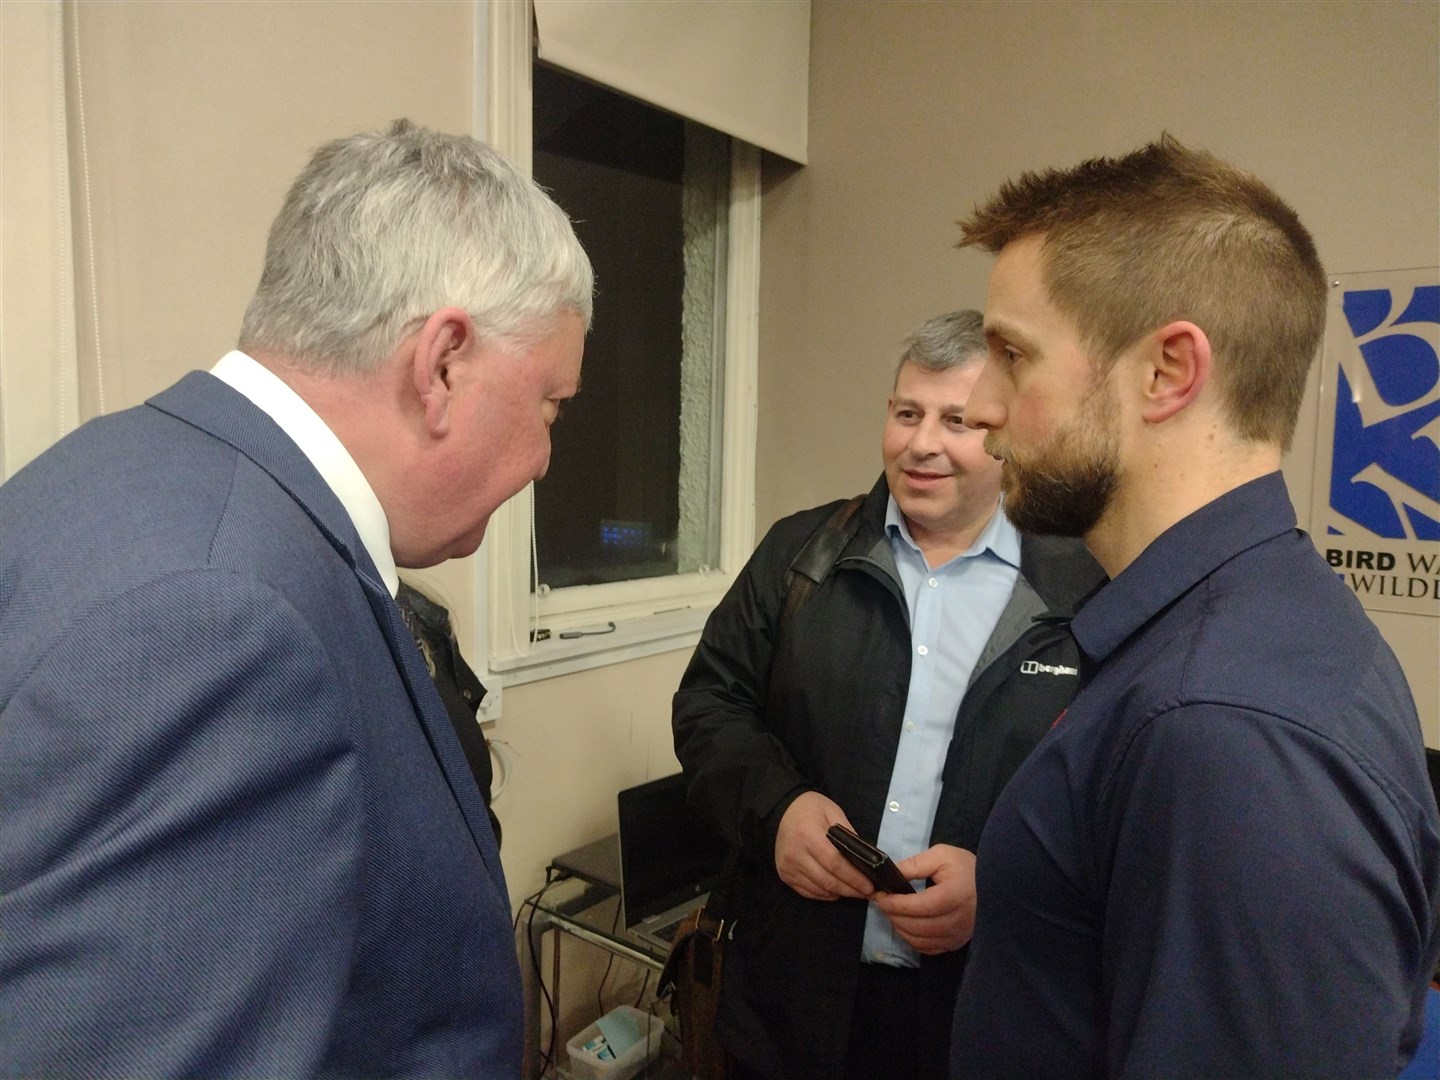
(205,402)
(436,722)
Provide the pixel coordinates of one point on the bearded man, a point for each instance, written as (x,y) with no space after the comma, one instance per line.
(1224,860)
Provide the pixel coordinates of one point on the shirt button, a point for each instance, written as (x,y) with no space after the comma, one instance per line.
(894,807)
(910,725)
(933,583)
(923,651)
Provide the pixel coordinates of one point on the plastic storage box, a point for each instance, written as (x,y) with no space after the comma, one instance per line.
(584,1065)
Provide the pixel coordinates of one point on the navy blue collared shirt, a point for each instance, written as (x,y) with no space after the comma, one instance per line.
(1224,860)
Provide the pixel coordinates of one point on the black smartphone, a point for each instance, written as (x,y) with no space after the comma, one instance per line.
(870,860)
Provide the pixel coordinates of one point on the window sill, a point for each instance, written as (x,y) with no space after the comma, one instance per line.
(633,638)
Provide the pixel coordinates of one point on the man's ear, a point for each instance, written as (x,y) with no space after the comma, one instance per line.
(1178,370)
(444,339)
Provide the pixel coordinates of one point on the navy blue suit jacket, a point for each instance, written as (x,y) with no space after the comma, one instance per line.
(238,836)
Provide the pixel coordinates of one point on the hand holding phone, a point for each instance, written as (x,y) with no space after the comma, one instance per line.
(869,860)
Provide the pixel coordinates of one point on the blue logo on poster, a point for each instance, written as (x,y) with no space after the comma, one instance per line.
(1391,466)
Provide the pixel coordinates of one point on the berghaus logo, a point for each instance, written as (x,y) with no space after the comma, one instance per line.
(1034,667)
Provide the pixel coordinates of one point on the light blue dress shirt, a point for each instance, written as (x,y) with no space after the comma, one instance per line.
(953,611)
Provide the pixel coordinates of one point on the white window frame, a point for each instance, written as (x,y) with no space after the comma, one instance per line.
(652,615)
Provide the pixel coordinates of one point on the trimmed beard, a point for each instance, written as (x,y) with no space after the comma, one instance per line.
(1063,488)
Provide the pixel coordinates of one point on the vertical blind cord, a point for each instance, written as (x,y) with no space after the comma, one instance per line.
(89,214)
(66,404)
(534,589)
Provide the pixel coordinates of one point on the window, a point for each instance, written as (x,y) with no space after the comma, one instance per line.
(633,488)
(648,510)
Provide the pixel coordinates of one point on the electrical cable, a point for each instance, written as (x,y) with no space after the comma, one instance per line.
(551,1006)
(599,990)
(644,985)
(504,755)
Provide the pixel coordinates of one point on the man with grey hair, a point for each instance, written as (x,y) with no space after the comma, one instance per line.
(238,836)
(896,701)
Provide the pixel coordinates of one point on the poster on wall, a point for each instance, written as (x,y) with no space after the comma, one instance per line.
(1375,506)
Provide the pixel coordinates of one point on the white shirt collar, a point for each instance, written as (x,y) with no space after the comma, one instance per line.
(319,444)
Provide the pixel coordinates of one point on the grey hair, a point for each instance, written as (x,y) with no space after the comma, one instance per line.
(945,342)
(381,230)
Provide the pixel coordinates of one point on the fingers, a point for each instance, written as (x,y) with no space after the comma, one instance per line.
(929,941)
(847,881)
(926,864)
(804,857)
(942,917)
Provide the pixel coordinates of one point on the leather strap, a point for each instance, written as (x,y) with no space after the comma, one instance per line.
(813,562)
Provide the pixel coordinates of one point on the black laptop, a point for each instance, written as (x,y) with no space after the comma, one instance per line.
(597,862)
(669,859)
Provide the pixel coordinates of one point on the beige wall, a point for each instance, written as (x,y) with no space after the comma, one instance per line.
(198,115)
(919,110)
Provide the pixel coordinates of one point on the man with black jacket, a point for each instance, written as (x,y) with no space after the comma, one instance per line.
(896,700)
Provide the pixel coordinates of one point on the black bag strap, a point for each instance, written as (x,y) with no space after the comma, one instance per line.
(808,569)
(813,562)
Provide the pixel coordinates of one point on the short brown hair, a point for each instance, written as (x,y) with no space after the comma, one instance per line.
(1166,233)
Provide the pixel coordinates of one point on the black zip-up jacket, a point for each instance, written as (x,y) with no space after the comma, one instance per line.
(757,722)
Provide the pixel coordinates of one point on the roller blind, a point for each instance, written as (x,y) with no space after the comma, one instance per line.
(739,66)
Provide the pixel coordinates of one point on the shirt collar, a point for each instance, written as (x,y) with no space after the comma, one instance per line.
(999,538)
(270,394)
(1180,558)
